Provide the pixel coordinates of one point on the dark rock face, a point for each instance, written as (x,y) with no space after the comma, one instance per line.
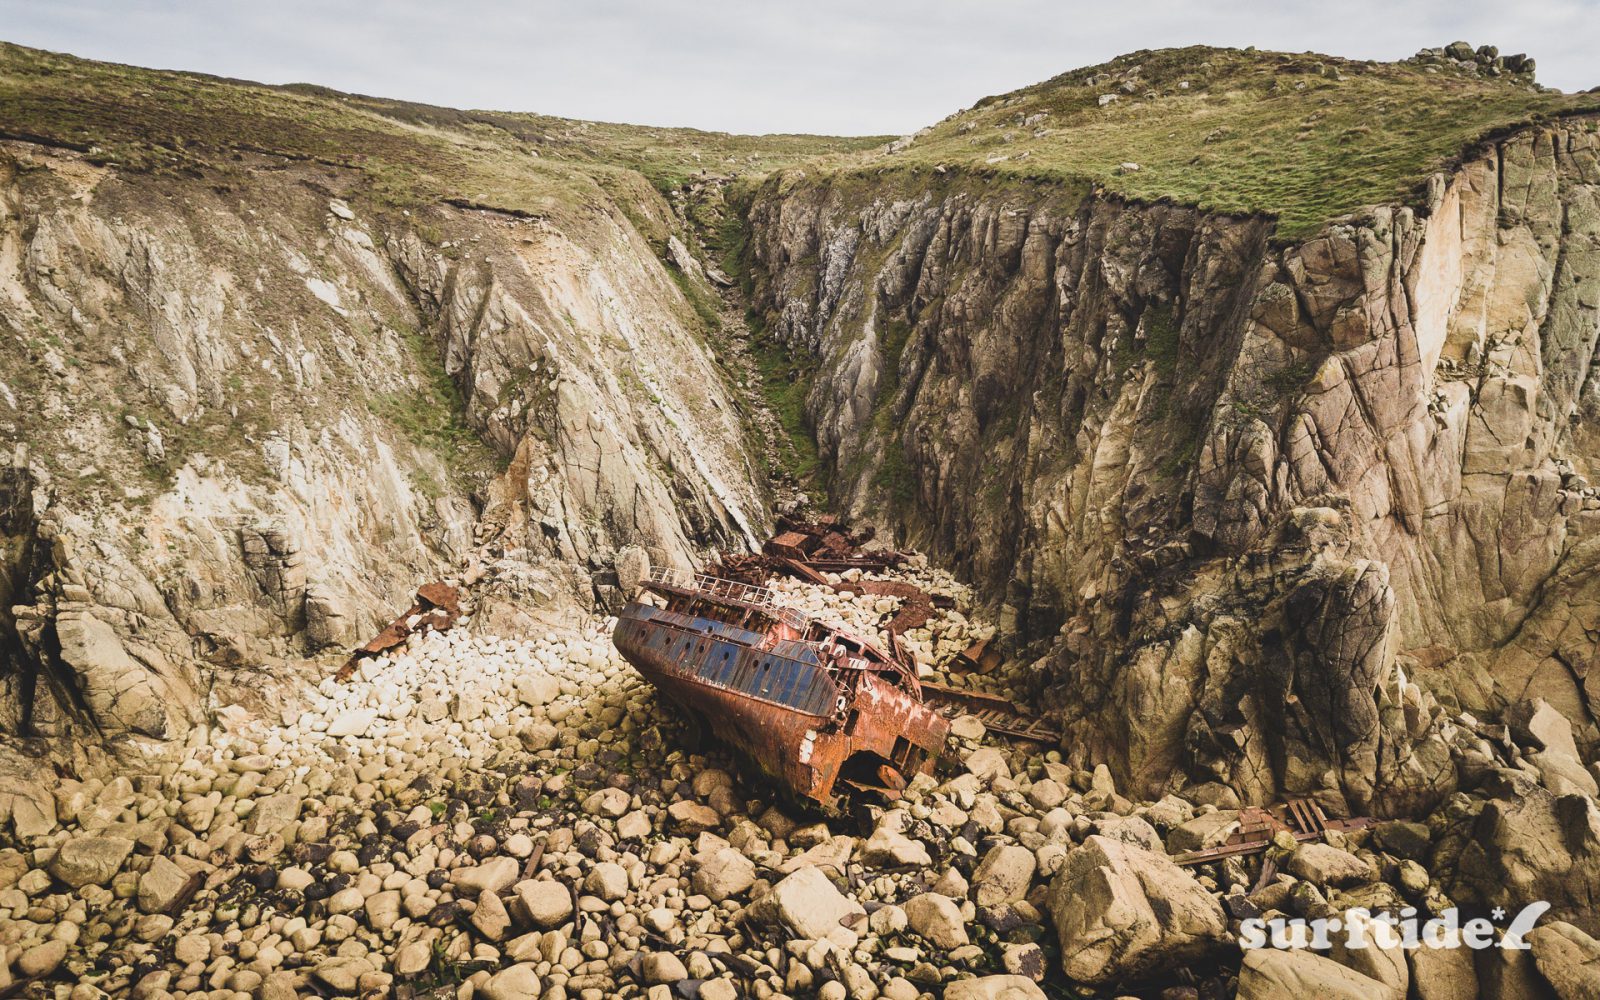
(1265,515)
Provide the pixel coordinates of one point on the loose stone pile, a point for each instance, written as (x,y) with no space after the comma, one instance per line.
(935,644)
(474,816)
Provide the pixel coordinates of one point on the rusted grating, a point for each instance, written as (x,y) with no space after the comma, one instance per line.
(996,713)
(1301,818)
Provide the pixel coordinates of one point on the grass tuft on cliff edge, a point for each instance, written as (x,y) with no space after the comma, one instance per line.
(1301,137)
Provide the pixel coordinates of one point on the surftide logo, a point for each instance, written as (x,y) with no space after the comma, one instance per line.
(1361,928)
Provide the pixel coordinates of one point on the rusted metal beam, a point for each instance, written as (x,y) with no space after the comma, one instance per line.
(1302,819)
(996,713)
(437,607)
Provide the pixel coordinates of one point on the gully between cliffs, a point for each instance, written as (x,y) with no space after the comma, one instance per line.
(1259,514)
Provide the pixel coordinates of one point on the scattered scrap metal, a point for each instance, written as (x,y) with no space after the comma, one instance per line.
(996,713)
(437,607)
(1301,818)
(808,550)
(818,708)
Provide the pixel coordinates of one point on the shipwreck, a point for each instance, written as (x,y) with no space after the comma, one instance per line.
(820,710)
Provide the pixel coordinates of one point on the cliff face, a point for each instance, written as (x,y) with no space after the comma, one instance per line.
(249,413)
(1270,514)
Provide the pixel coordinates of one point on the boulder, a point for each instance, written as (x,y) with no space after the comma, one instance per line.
(537,690)
(90,860)
(1003,876)
(994,988)
(1563,775)
(663,967)
(1325,864)
(832,855)
(516,982)
(607,880)
(1538,725)
(547,904)
(1124,914)
(1026,959)
(1528,844)
(692,817)
(1507,974)
(353,722)
(489,917)
(342,973)
(30,808)
(537,736)
(889,848)
(1275,974)
(1130,830)
(633,566)
(808,904)
(937,919)
(161,885)
(724,873)
(383,909)
(988,763)
(610,803)
(274,812)
(1203,831)
(968,727)
(42,959)
(121,693)
(1567,958)
(1442,973)
(1387,966)
(494,875)
(1403,838)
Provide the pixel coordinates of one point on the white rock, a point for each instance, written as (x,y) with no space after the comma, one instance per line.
(808,904)
(353,722)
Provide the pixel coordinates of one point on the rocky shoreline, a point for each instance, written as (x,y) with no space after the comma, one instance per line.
(477,816)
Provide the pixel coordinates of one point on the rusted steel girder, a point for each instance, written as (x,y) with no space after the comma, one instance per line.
(997,714)
(1301,818)
(437,607)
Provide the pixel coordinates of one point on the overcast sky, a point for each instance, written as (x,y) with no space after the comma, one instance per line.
(835,66)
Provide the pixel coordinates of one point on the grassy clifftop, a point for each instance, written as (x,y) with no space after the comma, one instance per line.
(524,163)
(1301,137)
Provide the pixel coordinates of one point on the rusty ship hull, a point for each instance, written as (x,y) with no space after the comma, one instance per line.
(819,710)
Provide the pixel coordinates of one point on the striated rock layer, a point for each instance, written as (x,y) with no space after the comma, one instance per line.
(247,414)
(1269,515)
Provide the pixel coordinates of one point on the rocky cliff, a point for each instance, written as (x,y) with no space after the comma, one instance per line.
(1274,509)
(1252,393)
(249,412)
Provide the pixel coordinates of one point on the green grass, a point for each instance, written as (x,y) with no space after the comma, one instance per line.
(411,154)
(1301,137)
(701,301)
(1161,339)
(433,415)
(894,475)
(1304,138)
(785,381)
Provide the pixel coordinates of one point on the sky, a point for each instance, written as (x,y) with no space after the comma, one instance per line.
(843,67)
